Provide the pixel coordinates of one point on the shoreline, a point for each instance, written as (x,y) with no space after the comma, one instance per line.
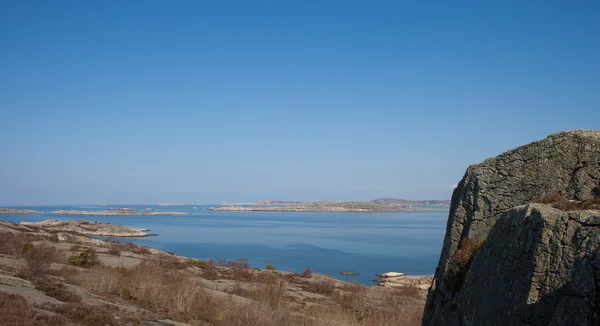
(117,212)
(316,210)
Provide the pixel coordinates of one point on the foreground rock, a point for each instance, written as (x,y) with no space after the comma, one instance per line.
(89,228)
(18,211)
(123,211)
(527,264)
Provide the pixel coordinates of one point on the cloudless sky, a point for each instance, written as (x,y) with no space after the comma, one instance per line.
(212,101)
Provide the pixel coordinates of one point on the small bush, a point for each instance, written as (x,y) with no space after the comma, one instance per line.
(86,258)
(56,290)
(307,272)
(323,286)
(202,264)
(15,310)
(14,244)
(210,271)
(170,262)
(270,267)
(38,260)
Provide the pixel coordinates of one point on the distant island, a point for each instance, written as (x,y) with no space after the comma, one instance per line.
(377,205)
(18,211)
(120,211)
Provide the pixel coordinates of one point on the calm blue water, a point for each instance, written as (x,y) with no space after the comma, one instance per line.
(368,243)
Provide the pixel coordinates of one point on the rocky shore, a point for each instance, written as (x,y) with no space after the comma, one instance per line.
(18,211)
(401,280)
(122,211)
(89,228)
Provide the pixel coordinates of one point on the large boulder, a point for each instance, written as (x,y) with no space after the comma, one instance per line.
(484,214)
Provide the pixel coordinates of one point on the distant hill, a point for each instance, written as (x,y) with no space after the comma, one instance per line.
(277,202)
(404,202)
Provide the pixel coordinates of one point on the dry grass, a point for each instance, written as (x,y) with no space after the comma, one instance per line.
(151,287)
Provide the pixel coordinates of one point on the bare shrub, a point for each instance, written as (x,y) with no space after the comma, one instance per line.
(113,249)
(15,310)
(87,315)
(38,259)
(323,286)
(251,315)
(273,294)
(238,263)
(355,299)
(210,271)
(171,262)
(307,272)
(14,244)
(56,290)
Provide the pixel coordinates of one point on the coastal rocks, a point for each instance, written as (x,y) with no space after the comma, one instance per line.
(401,280)
(489,237)
(89,228)
(18,211)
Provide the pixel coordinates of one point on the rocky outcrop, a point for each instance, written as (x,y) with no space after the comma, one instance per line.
(89,228)
(534,261)
(401,280)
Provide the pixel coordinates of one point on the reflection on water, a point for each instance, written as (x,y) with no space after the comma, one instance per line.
(329,243)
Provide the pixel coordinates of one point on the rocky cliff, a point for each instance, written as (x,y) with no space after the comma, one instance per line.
(505,263)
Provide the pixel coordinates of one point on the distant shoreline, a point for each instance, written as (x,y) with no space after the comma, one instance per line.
(328,210)
(118,212)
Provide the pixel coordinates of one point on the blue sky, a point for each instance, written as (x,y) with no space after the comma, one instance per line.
(211,101)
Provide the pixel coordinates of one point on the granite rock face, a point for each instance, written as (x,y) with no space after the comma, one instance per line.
(535,260)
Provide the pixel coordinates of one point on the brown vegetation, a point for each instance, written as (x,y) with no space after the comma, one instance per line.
(559,202)
(15,310)
(459,264)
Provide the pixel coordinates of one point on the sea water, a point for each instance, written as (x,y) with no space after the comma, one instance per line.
(329,242)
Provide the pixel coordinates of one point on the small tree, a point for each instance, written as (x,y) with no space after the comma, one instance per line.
(270,267)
